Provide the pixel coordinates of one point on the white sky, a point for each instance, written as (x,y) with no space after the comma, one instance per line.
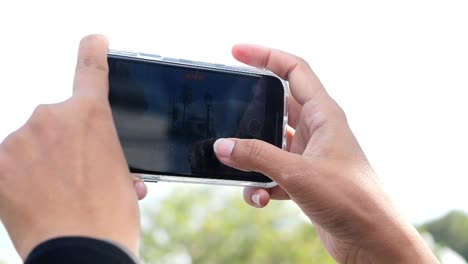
(398,68)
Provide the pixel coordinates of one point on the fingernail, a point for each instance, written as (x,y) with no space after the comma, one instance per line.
(140,188)
(223,147)
(256,199)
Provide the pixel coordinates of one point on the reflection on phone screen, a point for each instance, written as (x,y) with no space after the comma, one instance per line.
(168,117)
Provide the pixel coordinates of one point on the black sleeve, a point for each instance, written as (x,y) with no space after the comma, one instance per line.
(73,250)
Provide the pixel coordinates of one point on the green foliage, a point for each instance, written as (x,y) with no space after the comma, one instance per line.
(214,225)
(451,231)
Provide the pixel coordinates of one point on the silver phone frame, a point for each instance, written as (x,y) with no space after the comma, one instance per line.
(217,67)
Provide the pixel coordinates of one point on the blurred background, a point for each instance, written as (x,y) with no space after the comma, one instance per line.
(398,68)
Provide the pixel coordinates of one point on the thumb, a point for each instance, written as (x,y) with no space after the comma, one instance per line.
(256,155)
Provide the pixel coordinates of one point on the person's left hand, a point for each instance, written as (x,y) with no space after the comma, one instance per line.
(64,172)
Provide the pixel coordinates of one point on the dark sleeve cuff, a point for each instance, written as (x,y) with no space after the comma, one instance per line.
(73,250)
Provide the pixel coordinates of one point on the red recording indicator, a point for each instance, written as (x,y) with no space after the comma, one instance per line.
(196,76)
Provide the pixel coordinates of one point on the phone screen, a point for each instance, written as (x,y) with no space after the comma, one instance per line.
(168,116)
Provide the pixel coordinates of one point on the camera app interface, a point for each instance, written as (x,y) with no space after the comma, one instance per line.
(168,116)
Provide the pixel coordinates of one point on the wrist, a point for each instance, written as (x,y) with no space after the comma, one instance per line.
(397,243)
(387,237)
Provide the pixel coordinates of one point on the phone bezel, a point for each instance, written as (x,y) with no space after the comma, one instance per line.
(147,57)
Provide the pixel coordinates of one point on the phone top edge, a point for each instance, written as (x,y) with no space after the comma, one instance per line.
(178,179)
(185,62)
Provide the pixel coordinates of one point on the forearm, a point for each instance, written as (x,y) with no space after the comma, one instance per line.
(409,248)
(396,241)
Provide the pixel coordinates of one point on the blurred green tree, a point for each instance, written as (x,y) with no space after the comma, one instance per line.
(214,225)
(450,230)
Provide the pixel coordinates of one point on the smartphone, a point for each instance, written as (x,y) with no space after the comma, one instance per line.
(168,113)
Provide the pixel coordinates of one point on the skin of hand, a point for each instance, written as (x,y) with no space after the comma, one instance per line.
(64,172)
(325,171)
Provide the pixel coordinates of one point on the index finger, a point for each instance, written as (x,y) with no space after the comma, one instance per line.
(91,74)
(304,84)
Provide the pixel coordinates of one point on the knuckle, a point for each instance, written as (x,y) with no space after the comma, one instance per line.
(42,117)
(302,62)
(14,144)
(10,143)
(336,111)
(42,110)
(298,175)
(312,117)
(45,124)
(294,171)
(299,63)
(316,115)
(91,62)
(255,149)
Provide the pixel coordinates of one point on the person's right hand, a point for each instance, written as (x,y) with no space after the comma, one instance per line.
(325,171)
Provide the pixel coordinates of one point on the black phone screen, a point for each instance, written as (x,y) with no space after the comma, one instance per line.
(168,116)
